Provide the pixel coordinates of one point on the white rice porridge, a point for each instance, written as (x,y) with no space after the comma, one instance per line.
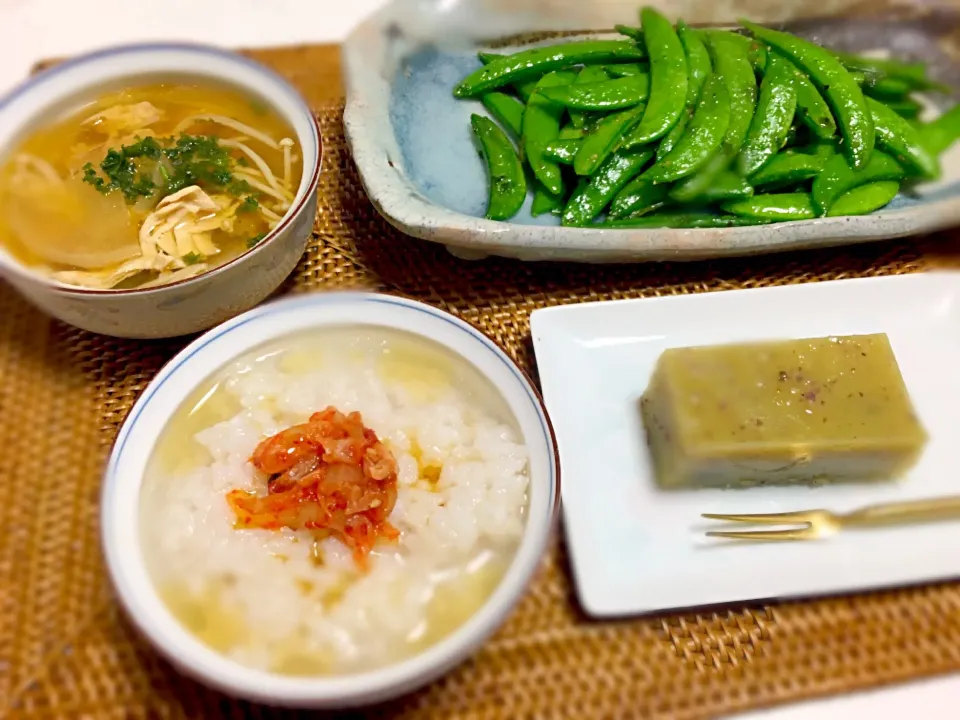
(270,599)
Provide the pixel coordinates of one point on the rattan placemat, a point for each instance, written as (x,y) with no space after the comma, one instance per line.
(66,651)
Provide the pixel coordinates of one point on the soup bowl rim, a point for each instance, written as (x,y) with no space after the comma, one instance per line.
(127,566)
(309,179)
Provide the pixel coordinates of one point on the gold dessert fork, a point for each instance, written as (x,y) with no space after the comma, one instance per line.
(820,523)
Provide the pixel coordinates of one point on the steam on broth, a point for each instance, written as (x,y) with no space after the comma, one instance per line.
(319,565)
(147,186)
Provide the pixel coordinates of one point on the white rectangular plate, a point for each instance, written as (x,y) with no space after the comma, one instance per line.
(636,549)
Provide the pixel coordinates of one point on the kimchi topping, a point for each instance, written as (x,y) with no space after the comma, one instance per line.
(330,475)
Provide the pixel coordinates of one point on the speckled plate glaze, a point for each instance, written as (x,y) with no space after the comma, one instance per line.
(412,142)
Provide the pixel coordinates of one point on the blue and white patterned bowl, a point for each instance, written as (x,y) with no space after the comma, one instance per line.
(411,139)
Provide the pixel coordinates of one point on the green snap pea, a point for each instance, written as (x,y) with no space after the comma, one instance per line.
(607,95)
(671,139)
(545,202)
(728,186)
(839,88)
(698,61)
(756,51)
(732,66)
(812,108)
(626,69)
(598,145)
(914,74)
(523,88)
(506,109)
(789,168)
(885,88)
(907,108)
(692,188)
(771,123)
(684,220)
(572,133)
(701,141)
(668,78)
(508,185)
(616,171)
(541,125)
(590,74)
(865,199)
(538,61)
(902,140)
(940,134)
(634,33)
(639,196)
(838,177)
(779,206)
(562,151)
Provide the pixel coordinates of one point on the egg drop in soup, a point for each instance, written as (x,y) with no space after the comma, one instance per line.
(148,185)
(334,502)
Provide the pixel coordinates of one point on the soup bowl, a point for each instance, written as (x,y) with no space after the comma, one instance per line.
(189,305)
(128,505)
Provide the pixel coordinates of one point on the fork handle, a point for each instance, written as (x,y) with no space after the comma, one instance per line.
(942,508)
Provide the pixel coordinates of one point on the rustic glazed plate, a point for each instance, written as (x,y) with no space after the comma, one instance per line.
(412,142)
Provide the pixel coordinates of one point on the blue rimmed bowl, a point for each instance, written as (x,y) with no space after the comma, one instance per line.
(180,378)
(198,303)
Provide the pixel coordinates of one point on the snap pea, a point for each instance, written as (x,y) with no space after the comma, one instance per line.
(668,78)
(907,108)
(538,61)
(684,220)
(605,137)
(508,185)
(728,186)
(562,151)
(865,199)
(702,139)
(771,123)
(541,125)
(885,88)
(698,61)
(523,88)
(812,108)
(676,132)
(837,177)
(732,66)
(634,33)
(590,74)
(626,69)
(639,196)
(692,188)
(839,88)
(616,171)
(506,109)
(940,134)
(914,74)
(902,140)
(545,202)
(571,133)
(756,51)
(606,95)
(787,168)
(780,206)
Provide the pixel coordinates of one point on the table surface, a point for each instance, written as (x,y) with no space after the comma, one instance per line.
(35,29)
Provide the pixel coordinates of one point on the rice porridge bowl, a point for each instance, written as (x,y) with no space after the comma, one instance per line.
(334,502)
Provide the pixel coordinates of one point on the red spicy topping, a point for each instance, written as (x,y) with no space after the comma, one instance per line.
(330,475)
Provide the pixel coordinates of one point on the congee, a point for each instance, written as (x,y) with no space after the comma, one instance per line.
(148,185)
(334,502)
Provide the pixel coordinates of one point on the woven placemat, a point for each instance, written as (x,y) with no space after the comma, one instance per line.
(67,652)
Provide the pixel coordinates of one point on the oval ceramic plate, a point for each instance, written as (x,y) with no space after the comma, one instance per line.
(412,142)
